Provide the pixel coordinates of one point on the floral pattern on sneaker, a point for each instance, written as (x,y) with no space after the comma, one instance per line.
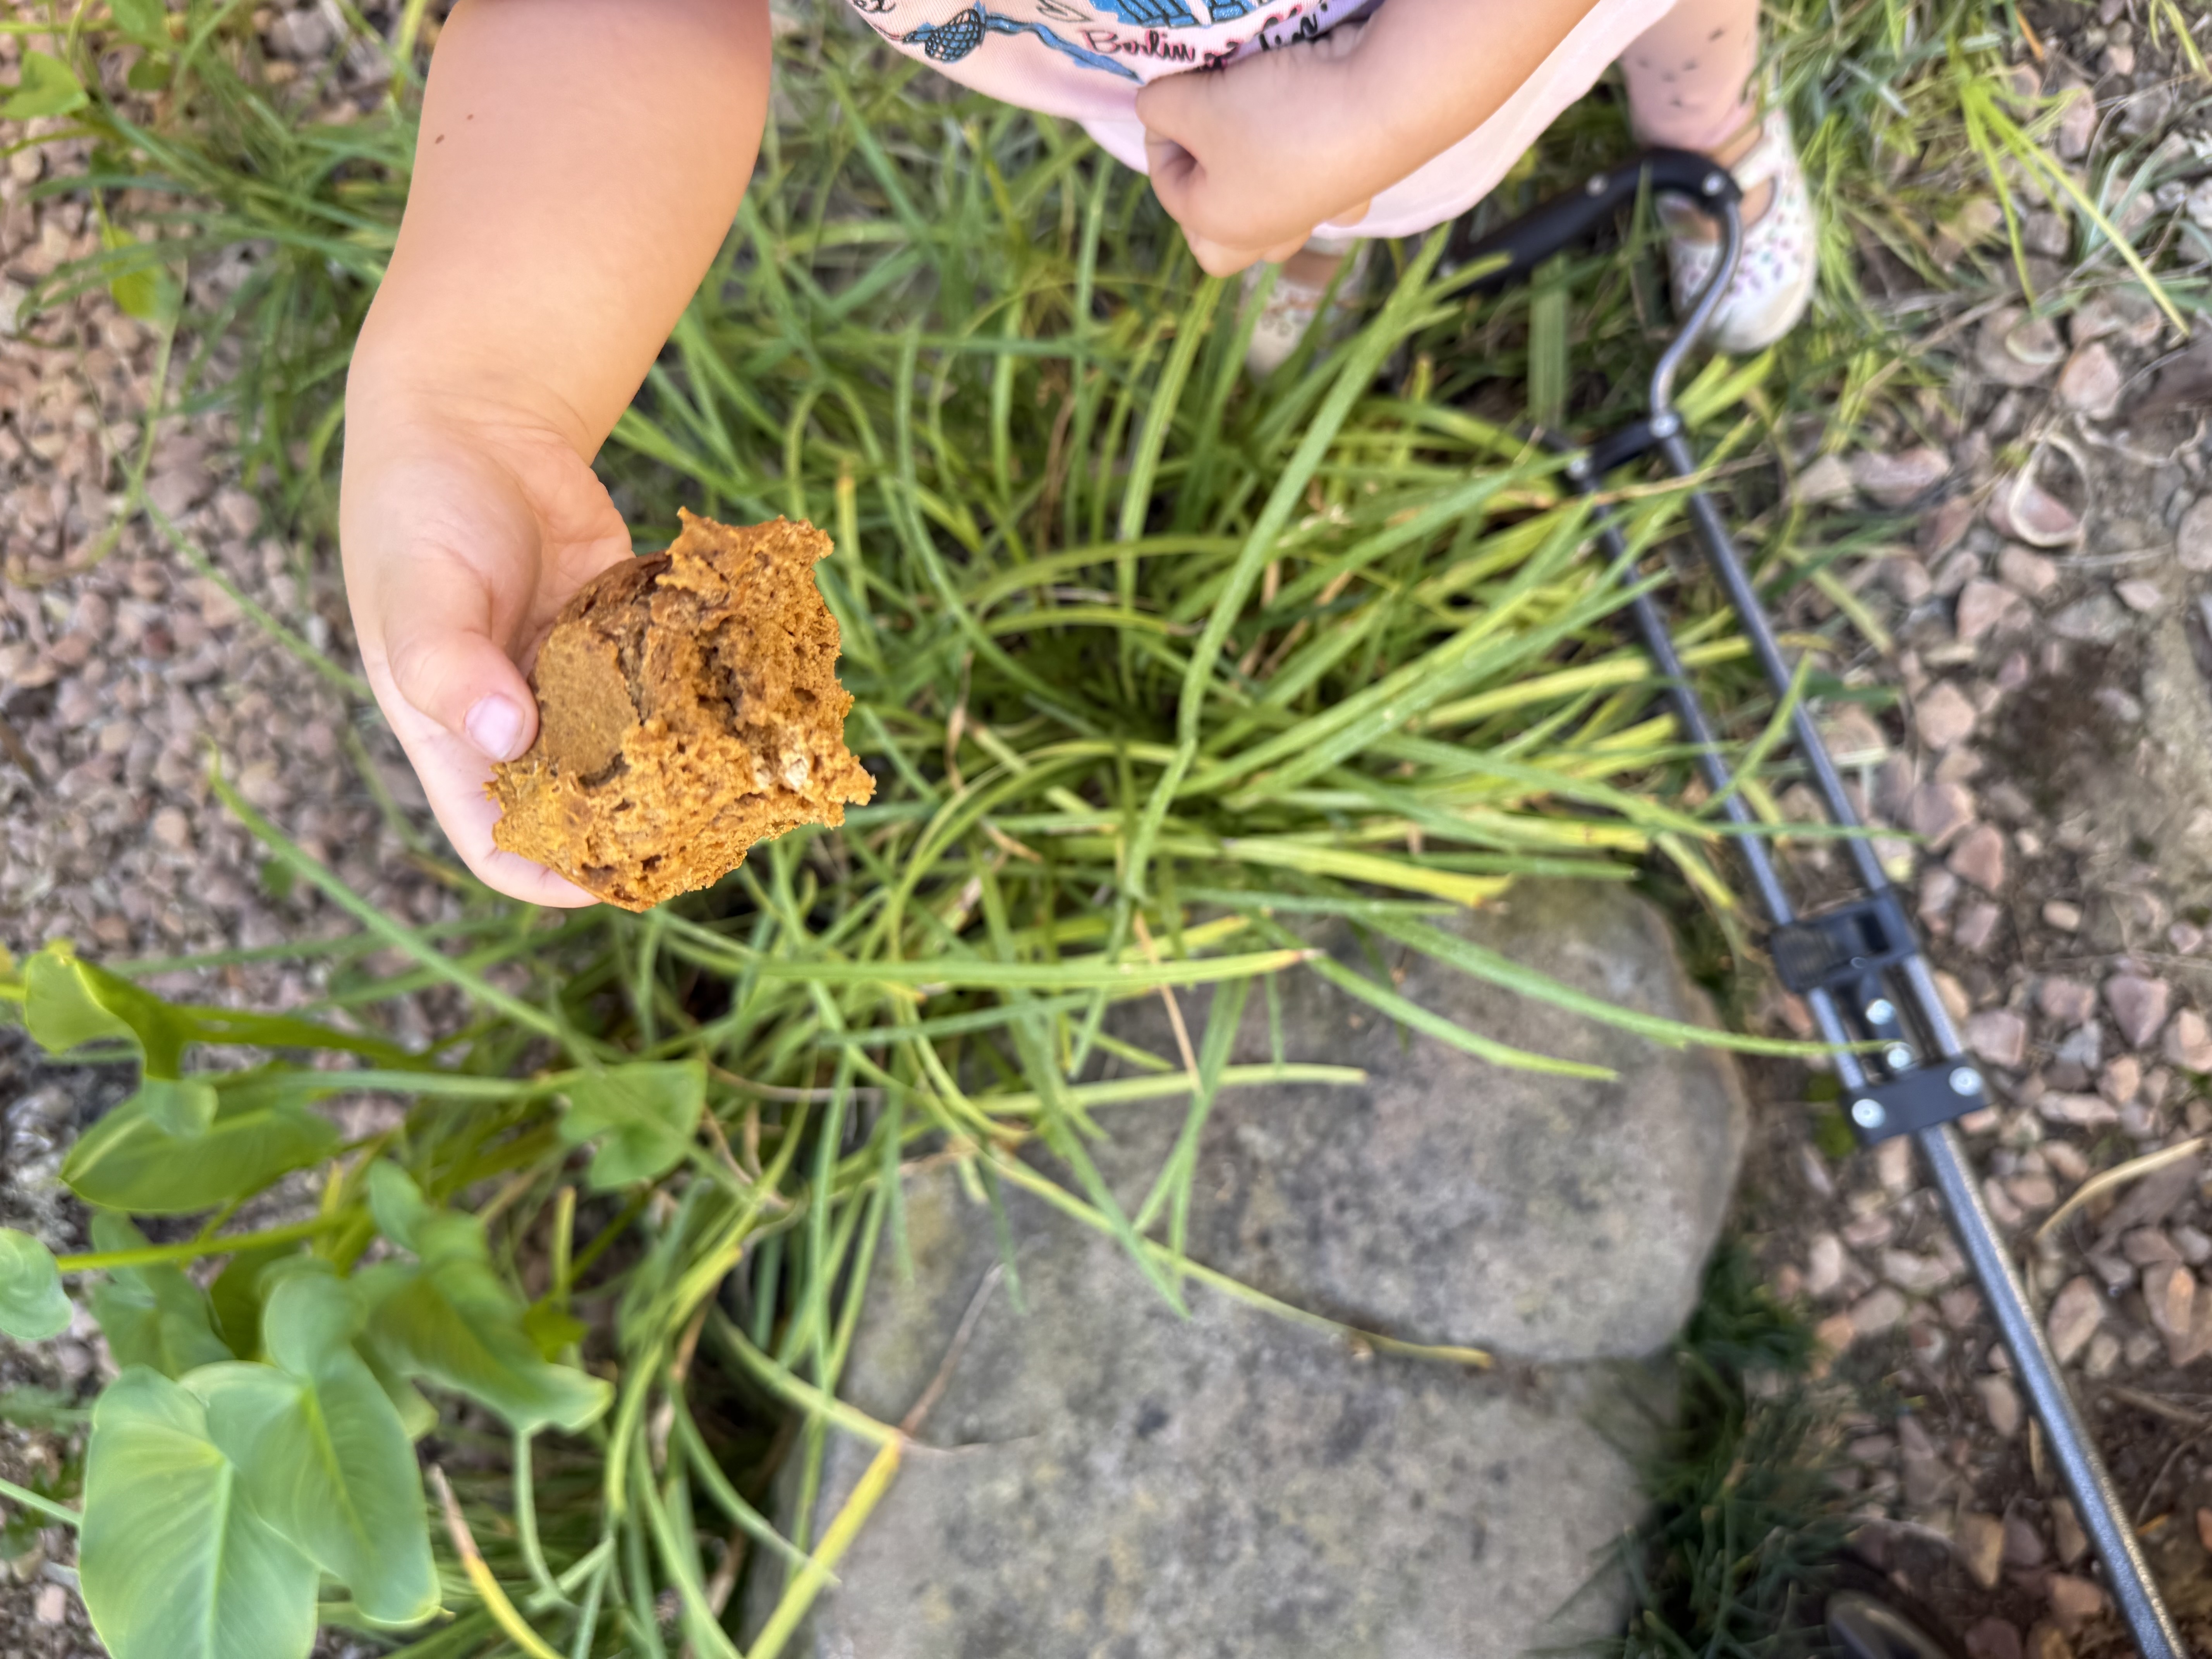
(1774,275)
(1292,306)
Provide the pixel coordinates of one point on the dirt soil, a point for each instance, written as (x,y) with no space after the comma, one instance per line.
(2051,743)
(123,673)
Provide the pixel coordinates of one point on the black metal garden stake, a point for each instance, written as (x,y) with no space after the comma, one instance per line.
(1859,965)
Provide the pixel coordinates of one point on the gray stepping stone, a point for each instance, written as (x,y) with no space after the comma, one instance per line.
(1111,1482)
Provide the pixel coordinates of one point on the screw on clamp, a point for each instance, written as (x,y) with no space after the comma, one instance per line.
(1881,1012)
(1966,1080)
(1868,1113)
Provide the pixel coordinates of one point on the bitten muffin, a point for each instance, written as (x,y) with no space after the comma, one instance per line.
(688,707)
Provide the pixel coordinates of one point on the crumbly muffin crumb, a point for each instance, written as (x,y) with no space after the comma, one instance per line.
(688,707)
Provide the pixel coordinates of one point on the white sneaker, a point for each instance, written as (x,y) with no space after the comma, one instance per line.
(1774,275)
(1294,304)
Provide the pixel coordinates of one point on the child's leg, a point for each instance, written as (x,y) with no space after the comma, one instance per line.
(1689,76)
(1690,85)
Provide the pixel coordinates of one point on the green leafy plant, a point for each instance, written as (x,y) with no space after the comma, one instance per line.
(260,1438)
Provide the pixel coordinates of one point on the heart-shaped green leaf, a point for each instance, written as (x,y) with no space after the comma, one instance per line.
(416,1414)
(46,87)
(173,1562)
(32,1305)
(322,1451)
(68,1001)
(551,1329)
(152,1315)
(127,1161)
(179,1106)
(142,19)
(647,1113)
(237,1292)
(144,290)
(397,1204)
(447,1318)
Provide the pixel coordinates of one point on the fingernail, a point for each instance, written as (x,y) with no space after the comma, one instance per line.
(494,725)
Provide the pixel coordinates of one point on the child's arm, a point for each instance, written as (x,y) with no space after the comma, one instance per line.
(579,161)
(1251,159)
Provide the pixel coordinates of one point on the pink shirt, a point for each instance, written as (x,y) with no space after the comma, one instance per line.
(1086,59)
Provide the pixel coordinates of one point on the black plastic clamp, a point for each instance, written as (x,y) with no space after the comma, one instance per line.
(1845,946)
(1916,1100)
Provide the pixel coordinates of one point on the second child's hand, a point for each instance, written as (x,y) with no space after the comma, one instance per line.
(1251,160)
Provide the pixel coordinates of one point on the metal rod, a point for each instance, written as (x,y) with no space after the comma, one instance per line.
(2102,1515)
(2037,1366)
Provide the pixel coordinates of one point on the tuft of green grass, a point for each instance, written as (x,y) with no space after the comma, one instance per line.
(1748,1524)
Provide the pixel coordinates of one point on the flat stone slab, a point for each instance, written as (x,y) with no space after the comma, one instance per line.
(1454,1201)
(1132,1484)
(1109,1480)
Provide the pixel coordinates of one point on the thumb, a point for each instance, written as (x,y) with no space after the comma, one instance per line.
(445,662)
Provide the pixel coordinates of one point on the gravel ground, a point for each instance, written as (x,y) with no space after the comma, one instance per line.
(122,676)
(2052,746)
(2052,743)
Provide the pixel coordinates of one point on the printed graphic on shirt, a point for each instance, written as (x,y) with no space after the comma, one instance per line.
(1130,39)
(953,39)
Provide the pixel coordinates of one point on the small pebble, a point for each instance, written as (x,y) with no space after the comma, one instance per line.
(1979,858)
(1993,1638)
(2188,1043)
(2170,1293)
(2066,1535)
(2065,917)
(1976,926)
(1981,1541)
(2075,1313)
(1942,716)
(2139,595)
(2097,620)
(2029,574)
(1998,1036)
(1940,812)
(1999,1404)
(2121,1079)
(1824,1264)
(2075,1601)
(2139,1004)
(1893,1166)
(2193,539)
(2067,1001)
(1900,479)
(2023,510)
(2090,382)
(1877,1312)
(1989,609)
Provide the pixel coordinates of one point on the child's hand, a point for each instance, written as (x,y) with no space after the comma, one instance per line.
(463,538)
(579,165)
(1251,159)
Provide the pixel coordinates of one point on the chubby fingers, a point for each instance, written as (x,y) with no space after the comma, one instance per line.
(457,703)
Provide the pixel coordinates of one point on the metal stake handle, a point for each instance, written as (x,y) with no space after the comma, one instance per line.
(2132,1586)
(2102,1517)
